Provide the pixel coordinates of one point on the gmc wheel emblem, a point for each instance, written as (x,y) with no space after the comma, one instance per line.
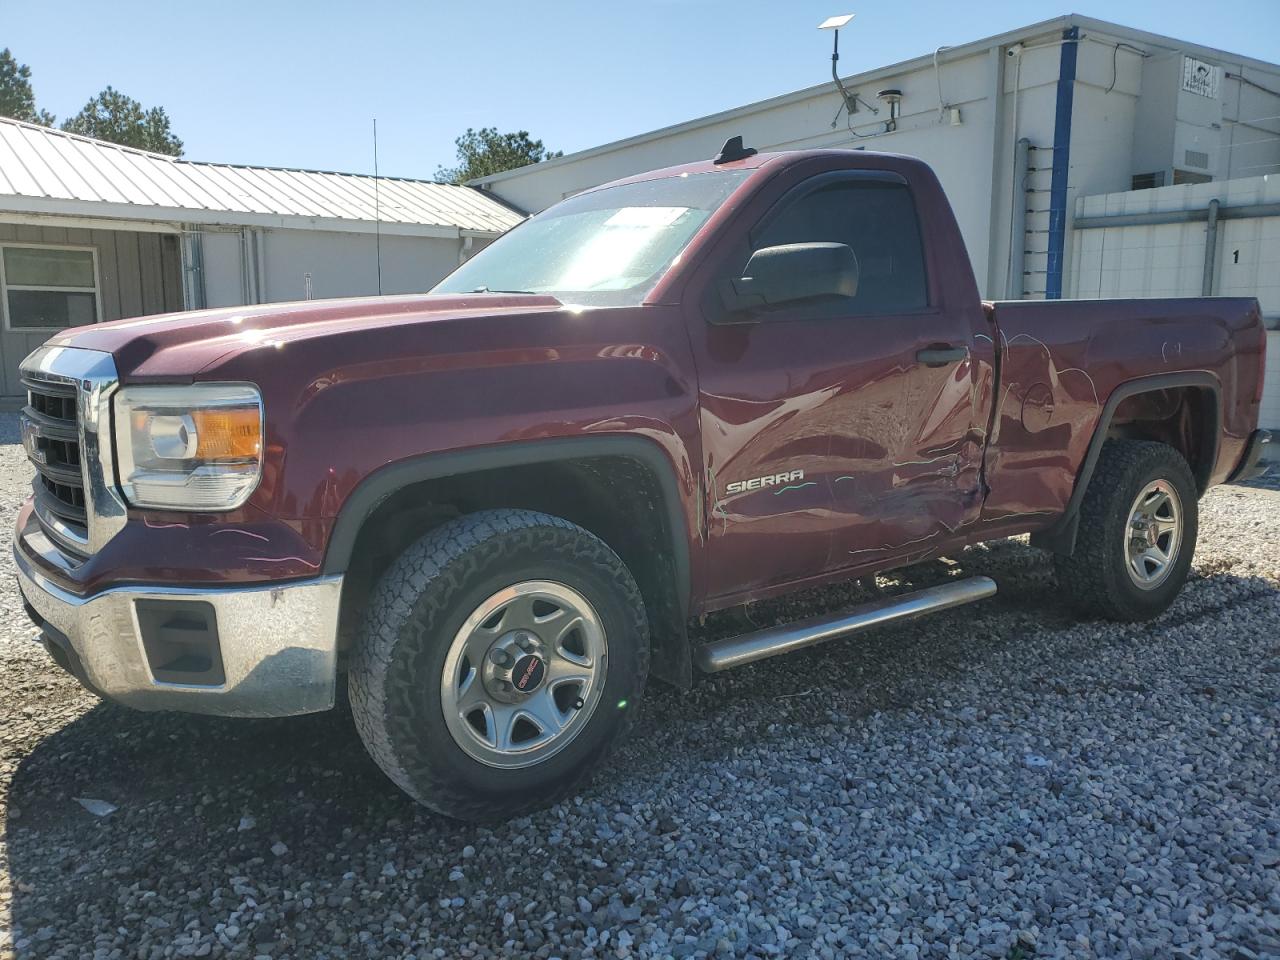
(528,672)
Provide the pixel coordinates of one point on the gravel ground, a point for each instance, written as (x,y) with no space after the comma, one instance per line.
(1001,782)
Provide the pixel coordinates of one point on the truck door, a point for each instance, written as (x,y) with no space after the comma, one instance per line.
(842,432)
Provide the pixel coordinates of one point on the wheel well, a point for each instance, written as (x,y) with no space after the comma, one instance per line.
(1183,415)
(1185,418)
(618,498)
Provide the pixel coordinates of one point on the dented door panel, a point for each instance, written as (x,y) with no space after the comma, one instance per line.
(907,474)
(764,407)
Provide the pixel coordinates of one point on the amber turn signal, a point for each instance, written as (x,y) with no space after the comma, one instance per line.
(233,434)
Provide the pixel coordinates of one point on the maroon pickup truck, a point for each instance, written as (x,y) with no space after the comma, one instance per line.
(492,510)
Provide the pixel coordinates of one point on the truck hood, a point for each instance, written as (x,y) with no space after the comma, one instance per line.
(181,345)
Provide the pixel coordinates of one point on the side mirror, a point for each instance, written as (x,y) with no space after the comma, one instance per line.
(793,272)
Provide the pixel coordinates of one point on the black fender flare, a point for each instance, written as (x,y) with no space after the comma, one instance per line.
(675,664)
(1061,536)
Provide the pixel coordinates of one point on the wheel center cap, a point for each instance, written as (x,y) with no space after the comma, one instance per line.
(528,673)
(515,666)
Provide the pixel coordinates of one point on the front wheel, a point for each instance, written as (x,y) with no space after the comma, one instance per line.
(1137,533)
(501,657)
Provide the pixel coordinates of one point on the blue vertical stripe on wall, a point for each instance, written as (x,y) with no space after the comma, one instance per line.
(1061,163)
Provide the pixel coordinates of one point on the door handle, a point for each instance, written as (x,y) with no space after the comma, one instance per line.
(941,355)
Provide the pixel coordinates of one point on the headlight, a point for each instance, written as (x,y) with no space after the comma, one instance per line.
(189,448)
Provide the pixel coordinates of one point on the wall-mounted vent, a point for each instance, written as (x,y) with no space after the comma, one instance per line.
(1196,158)
(1147,181)
(1190,176)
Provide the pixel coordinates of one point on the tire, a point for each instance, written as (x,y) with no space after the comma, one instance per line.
(438,621)
(1101,578)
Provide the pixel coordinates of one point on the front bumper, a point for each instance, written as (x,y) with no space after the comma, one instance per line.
(277,644)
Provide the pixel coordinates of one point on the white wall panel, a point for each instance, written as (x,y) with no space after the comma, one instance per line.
(1270,416)
(340,265)
(1167,260)
(346,265)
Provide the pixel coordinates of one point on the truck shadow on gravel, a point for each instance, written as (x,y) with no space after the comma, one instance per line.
(200,800)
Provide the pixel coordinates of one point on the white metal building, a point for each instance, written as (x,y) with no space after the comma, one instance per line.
(1037,135)
(91,231)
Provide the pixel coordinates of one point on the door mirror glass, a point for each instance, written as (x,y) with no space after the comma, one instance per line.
(793,272)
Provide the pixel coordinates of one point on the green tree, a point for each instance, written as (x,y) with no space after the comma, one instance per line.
(118,118)
(485,151)
(16,97)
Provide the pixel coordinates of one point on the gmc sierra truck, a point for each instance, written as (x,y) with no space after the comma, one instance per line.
(492,510)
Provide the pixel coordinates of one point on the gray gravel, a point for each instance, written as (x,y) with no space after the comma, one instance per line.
(1001,782)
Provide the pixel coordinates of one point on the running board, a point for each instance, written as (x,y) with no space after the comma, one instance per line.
(750,647)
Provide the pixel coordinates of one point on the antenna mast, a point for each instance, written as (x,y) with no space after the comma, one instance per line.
(851,99)
(377,207)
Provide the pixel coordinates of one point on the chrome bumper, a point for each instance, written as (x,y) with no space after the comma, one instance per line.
(278,644)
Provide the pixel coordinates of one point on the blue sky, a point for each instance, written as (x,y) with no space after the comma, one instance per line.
(292,83)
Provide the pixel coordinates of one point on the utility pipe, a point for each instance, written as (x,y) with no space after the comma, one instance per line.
(1246,212)
(1210,249)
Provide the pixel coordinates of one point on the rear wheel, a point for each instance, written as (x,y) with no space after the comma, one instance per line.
(1137,533)
(501,657)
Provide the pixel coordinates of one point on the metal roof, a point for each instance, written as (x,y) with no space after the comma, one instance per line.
(43,170)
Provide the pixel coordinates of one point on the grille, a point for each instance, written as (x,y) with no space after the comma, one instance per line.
(51,436)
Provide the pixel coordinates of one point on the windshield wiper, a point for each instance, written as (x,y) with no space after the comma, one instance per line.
(487,290)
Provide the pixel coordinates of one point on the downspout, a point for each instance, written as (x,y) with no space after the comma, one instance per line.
(1210,250)
(1018,232)
(253,265)
(246,268)
(260,252)
(995,283)
(464,251)
(193,288)
(1061,163)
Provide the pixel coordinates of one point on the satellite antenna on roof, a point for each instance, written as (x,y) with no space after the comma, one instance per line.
(851,100)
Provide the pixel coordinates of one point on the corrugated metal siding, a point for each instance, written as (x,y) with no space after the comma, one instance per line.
(138,274)
(44,163)
(1167,260)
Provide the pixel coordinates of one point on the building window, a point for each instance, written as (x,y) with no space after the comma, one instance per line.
(48,288)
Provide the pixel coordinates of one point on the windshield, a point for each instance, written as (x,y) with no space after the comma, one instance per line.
(608,247)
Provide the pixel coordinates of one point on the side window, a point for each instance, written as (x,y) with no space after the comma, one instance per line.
(878,221)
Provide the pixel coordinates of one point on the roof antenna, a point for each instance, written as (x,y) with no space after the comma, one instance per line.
(733,150)
(851,100)
(377,207)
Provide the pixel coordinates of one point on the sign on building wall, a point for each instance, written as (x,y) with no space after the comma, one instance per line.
(1200,78)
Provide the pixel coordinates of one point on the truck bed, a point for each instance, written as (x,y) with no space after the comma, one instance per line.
(1064,366)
